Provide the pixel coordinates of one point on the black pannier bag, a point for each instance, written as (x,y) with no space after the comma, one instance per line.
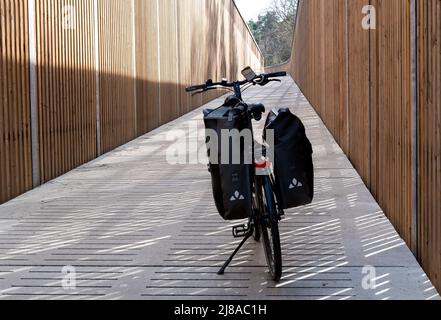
(293,164)
(231,183)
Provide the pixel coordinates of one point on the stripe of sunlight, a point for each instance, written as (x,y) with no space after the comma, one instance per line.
(379,293)
(136,245)
(307,262)
(392,232)
(367,222)
(384,250)
(378,231)
(374,280)
(430,289)
(327,234)
(317,252)
(317,226)
(317,204)
(312,231)
(338,293)
(243,255)
(246,254)
(323,263)
(367,216)
(318,239)
(376,286)
(239,263)
(52,246)
(233,243)
(150,227)
(384,221)
(383,244)
(79,230)
(280,285)
(395,236)
(332,232)
(435,296)
(308,247)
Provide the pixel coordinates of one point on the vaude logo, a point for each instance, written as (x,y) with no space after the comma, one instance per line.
(295,184)
(237,196)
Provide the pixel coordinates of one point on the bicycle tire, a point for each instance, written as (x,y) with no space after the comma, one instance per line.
(256,217)
(257,234)
(269,227)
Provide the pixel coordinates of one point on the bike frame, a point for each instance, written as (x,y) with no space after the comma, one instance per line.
(260,181)
(264,182)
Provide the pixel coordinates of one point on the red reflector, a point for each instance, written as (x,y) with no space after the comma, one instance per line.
(262,165)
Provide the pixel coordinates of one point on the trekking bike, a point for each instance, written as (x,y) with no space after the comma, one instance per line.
(265,213)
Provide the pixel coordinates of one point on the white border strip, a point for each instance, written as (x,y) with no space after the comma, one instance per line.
(135,75)
(178,97)
(97,77)
(159,62)
(414,80)
(33,93)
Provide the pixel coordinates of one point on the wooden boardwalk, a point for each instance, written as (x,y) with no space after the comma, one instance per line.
(129,225)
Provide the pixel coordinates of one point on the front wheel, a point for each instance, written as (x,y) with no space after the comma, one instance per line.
(269,226)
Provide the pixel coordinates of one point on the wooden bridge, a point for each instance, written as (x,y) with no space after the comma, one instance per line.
(129,225)
(79,78)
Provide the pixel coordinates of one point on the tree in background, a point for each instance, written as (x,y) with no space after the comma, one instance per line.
(274,31)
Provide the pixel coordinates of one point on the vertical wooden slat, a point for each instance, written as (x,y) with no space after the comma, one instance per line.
(3,118)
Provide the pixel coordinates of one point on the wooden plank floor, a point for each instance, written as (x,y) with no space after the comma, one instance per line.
(133,226)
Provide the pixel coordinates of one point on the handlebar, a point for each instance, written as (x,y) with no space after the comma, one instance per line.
(276,74)
(194,88)
(261,80)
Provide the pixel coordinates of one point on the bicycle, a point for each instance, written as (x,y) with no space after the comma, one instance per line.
(266,215)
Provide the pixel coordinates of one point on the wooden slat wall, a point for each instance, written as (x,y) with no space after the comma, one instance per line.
(185,55)
(392,151)
(168,49)
(360,82)
(327,76)
(15,155)
(117,92)
(66,86)
(148,52)
(429,133)
(358,88)
(147,67)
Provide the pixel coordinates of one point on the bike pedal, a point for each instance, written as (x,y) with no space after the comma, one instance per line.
(240,231)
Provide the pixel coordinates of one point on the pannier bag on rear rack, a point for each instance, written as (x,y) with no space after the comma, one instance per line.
(231,181)
(293,164)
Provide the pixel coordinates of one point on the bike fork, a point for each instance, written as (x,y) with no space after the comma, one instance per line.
(227,263)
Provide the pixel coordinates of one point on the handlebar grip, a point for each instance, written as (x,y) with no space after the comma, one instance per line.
(276,74)
(194,88)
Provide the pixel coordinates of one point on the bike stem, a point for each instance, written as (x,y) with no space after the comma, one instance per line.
(237,90)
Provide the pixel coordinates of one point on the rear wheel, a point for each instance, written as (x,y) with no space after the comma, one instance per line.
(269,227)
(256,234)
(256,218)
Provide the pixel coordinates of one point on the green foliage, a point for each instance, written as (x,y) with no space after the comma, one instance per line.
(274,31)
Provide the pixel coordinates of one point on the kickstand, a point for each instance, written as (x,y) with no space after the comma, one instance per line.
(249,235)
